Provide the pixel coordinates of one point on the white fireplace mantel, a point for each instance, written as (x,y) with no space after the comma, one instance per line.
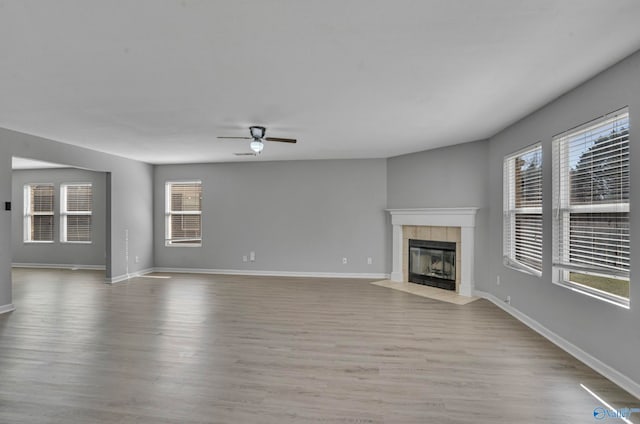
(465,218)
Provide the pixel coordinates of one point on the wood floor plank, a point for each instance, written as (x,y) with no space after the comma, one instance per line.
(182,348)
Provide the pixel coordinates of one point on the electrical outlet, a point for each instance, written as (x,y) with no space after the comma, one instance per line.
(137,259)
(369,260)
(344,261)
(508,300)
(252,256)
(244,258)
(497,280)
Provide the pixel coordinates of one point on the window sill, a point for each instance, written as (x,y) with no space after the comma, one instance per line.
(182,245)
(76,242)
(596,294)
(38,241)
(521,268)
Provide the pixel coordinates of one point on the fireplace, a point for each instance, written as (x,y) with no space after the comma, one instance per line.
(432,263)
(442,224)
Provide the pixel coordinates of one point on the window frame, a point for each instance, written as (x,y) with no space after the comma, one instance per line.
(510,212)
(562,210)
(28,213)
(168,241)
(64,214)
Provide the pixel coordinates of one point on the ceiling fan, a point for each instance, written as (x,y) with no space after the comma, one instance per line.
(257,140)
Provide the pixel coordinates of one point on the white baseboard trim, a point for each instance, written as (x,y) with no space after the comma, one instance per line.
(7,308)
(380,276)
(59,266)
(125,277)
(597,365)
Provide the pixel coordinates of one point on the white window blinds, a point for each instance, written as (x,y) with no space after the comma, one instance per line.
(38,216)
(591,188)
(183,224)
(522,194)
(76,210)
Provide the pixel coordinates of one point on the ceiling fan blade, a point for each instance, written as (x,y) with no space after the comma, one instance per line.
(283,140)
(239,138)
(245,154)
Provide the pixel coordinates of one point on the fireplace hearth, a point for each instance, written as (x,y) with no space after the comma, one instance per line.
(432,263)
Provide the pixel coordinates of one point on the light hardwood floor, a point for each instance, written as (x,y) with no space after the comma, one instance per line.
(227,349)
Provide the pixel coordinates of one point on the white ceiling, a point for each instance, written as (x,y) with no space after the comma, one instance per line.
(158,80)
(26,163)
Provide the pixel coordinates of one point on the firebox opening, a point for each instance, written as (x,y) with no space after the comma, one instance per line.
(433,263)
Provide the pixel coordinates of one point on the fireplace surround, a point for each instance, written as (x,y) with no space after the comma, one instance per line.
(446,224)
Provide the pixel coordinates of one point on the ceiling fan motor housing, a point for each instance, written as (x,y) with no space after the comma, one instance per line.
(257,132)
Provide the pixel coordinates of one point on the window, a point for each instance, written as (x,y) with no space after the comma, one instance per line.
(522,186)
(183,225)
(76,204)
(591,208)
(38,212)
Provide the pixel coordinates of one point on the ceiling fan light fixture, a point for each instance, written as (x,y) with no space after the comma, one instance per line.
(256,145)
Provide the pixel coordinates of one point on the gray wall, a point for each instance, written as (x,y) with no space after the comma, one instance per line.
(441,178)
(605,331)
(60,253)
(454,176)
(129,200)
(5,230)
(299,216)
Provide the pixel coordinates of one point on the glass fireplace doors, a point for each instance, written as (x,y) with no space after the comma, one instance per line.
(433,263)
